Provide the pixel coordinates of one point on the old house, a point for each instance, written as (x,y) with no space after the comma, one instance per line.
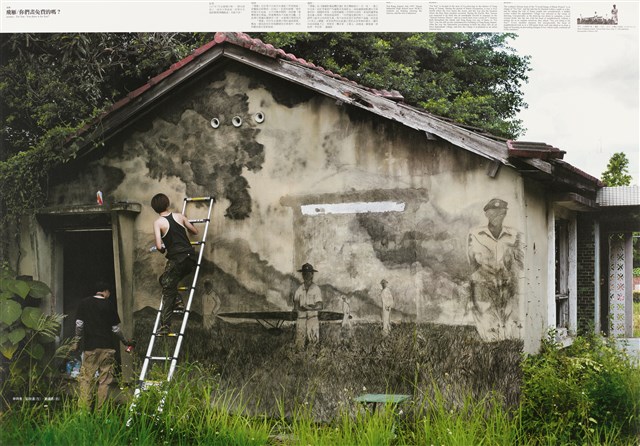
(500,237)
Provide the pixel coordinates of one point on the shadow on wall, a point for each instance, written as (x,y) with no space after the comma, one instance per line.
(265,366)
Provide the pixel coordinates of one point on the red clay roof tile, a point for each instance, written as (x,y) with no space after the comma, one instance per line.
(246,41)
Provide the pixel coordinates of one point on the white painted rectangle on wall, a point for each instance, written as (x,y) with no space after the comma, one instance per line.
(352,208)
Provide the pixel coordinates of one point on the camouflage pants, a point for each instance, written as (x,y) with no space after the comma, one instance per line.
(101,360)
(173,273)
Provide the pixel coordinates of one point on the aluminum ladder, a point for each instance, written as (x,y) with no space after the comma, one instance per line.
(143,383)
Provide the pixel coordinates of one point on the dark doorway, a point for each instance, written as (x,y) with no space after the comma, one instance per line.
(88,258)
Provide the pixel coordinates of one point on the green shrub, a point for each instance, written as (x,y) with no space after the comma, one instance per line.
(27,335)
(571,393)
(636,296)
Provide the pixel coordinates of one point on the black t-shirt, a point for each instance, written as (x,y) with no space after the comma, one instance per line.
(98,315)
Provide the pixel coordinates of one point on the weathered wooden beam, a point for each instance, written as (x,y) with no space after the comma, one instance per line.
(574,201)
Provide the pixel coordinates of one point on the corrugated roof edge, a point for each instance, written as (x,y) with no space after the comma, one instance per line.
(619,196)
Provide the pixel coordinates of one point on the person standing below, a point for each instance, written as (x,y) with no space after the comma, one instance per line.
(614,15)
(97,322)
(387,303)
(170,233)
(307,300)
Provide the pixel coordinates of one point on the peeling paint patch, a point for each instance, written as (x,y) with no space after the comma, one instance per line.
(353,208)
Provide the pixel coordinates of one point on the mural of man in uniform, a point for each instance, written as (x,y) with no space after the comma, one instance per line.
(307,300)
(387,303)
(496,256)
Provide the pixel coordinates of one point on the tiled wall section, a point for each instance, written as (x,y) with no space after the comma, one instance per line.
(617,284)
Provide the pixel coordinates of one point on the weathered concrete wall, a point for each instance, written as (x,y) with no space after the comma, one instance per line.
(311,151)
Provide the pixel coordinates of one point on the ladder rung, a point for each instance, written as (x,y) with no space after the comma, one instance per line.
(167,334)
(185,288)
(200,220)
(197,243)
(145,384)
(199,199)
(160,358)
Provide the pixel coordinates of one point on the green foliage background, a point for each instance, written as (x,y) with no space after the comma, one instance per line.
(473,78)
(617,171)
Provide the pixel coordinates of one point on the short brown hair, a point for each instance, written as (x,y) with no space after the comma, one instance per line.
(102,285)
(160,203)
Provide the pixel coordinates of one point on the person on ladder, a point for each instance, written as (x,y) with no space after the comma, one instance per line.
(170,233)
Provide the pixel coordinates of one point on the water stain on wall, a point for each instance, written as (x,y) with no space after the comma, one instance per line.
(79,186)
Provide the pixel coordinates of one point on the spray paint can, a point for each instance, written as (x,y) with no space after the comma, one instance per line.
(131,346)
(99,198)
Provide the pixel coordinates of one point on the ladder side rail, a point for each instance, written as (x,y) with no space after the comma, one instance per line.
(185,318)
(145,364)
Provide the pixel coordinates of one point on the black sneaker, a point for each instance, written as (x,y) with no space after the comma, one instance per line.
(178,306)
(163,331)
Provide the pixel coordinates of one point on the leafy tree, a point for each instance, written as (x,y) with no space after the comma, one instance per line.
(50,82)
(472,78)
(617,172)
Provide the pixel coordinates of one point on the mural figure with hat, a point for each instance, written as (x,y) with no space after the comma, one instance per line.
(307,300)
(496,257)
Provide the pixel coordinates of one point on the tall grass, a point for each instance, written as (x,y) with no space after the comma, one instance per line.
(199,410)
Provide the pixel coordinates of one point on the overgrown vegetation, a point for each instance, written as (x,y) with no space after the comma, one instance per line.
(265,364)
(586,394)
(29,358)
(589,390)
(636,314)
